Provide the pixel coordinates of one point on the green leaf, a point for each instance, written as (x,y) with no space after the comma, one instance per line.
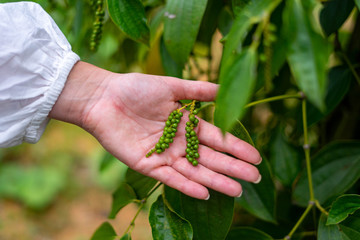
(251,14)
(336,163)
(141,184)
(121,197)
(328,232)
(342,207)
(126,237)
(129,16)
(284,158)
(104,232)
(166,224)
(210,219)
(106,161)
(236,85)
(347,230)
(334,14)
(181,26)
(247,233)
(308,52)
(170,66)
(357,2)
(339,83)
(258,199)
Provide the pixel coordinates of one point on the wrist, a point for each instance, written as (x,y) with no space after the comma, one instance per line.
(84,86)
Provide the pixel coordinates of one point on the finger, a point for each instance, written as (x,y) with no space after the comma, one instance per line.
(208,178)
(174,179)
(212,136)
(198,90)
(221,163)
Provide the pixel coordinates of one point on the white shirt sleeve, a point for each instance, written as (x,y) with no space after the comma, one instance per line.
(35,61)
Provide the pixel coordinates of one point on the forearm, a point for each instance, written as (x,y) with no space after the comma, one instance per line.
(85,84)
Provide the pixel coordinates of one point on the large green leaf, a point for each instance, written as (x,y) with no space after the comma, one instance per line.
(247,233)
(210,219)
(308,52)
(129,16)
(170,66)
(334,170)
(339,83)
(347,230)
(166,224)
(121,197)
(181,26)
(342,207)
(237,83)
(284,158)
(141,184)
(258,199)
(334,14)
(104,232)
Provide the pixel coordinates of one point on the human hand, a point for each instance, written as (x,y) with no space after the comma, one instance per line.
(126,113)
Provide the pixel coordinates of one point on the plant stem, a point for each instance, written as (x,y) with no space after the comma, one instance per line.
(307,151)
(352,69)
(271,99)
(153,190)
(317,204)
(301,219)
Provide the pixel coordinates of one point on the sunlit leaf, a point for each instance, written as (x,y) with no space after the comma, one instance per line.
(210,219)
(104,232)
(247,233)
(336,163)
(342,207)
(166,224)
(308,52)
(236,85)
(141,184)
(181,26)
(121,197)
(129,16)
(334,14)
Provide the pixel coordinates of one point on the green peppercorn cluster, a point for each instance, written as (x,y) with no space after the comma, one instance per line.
(97,25)
(192,145)
(169,133)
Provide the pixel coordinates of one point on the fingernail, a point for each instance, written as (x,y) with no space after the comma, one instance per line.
(258,163)
(258,180)
(240,194)
(208,197)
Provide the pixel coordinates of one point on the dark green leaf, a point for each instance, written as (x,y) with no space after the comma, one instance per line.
(339,82)
(258,199)
(328,232)
(225,21)
(129,16)
(209,22)
(210,219)
(284,158)
(166,224)
(239,5)
(236,85)
(104,232)
(181,26)
(342,207)
(121,197)
(357,2)
(247,233)
(139,183)
(334,14)
(336,163)
(347,230)
(170,66)
(308,52)
(156,23)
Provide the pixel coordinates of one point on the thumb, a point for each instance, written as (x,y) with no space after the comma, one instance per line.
(196,90)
